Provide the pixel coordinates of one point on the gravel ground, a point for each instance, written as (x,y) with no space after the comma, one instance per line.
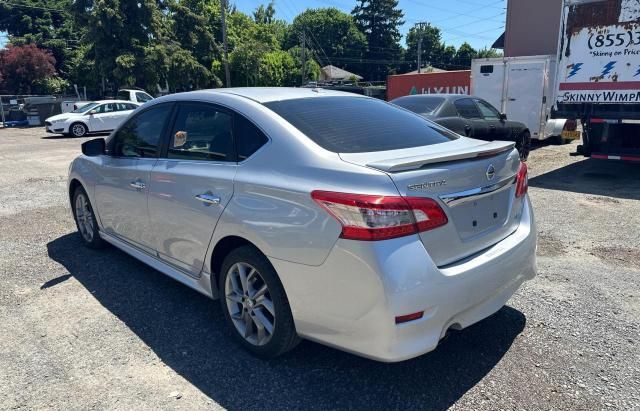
(83,329)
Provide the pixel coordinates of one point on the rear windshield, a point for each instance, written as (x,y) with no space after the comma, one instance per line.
(358,125)
(420,105)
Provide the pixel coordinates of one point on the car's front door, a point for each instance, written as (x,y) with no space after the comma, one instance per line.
(474,125)
(122,187)
(100,117)
(498,128)
(192,184)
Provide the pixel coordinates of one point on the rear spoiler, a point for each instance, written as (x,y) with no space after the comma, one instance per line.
(489,149)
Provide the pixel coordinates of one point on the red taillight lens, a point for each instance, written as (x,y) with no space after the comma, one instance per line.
(522,180)
(570,125)
(374,217)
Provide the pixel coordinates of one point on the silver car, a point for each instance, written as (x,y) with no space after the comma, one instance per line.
(313,214)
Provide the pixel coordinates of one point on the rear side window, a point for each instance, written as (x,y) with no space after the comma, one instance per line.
(140,136)
(143,97)
(467,108)
(358,124)
(421,105)
(202,132)
(123,95)
(248,138)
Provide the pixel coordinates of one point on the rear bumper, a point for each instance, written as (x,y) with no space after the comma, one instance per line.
(351,300)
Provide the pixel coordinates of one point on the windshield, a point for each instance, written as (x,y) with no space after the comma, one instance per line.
(85,108)
(358,124)
(421,105)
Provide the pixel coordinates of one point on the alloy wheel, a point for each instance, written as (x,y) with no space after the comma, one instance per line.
(78,130)
(84,217)
(249,303)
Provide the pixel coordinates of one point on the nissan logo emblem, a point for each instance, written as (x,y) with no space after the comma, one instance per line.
(491,172)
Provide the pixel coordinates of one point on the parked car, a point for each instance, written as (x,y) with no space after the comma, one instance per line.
(135,95)
(94,117)
(469,116)
(313,214)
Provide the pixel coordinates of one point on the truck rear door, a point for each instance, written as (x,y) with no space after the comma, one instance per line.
(525,90)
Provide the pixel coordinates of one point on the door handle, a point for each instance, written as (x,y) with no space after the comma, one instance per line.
(138,185)
(208,199)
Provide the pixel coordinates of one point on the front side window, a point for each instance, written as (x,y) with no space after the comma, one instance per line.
(467,108)
(358,124)
(487,110)
(85,108)
(202,132)
(140,136)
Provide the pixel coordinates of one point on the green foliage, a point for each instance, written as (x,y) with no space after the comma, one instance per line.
(332,36)
(488,53)
(107,44)
(465,54)
(380,21)
(51,85)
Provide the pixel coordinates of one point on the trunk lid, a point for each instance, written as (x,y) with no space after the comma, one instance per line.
(472,180)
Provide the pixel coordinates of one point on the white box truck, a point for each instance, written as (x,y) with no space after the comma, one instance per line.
(523,88)
(598,75)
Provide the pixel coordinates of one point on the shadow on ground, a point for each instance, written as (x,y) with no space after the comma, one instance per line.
(598,177)
(187,331)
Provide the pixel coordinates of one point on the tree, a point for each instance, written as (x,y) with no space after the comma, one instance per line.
(464,55)
(264,15)
(331,35)
(488,53)
(47,24)
(22,67)
(379,20)
(431,45)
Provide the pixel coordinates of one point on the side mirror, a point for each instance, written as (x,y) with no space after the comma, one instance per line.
(93,148)
(503,116)
(92,112)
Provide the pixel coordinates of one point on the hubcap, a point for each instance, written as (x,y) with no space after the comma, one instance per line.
(78,130)
(249,304)
(84,217)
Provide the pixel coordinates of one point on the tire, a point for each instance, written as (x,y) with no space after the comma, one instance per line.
(269,310)
(523,145)
(85,219)
(78,130)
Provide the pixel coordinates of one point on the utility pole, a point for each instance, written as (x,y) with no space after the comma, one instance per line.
(303,39)
(421,27)
(223,6)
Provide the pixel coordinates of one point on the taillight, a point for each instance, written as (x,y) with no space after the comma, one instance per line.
(522,180)
(376,217)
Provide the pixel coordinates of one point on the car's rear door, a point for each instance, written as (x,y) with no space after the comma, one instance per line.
(192,183)
(122,188)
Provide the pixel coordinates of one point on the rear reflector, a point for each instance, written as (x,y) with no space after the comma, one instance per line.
(374,217)
(409,317)
(522,180)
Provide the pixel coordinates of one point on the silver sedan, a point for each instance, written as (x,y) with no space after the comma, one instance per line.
(313,214)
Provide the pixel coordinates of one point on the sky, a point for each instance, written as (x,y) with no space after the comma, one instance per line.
(478,22)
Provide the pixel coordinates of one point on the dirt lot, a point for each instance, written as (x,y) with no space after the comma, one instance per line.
(83,329)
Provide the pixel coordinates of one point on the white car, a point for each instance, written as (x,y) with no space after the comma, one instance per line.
(95,117)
